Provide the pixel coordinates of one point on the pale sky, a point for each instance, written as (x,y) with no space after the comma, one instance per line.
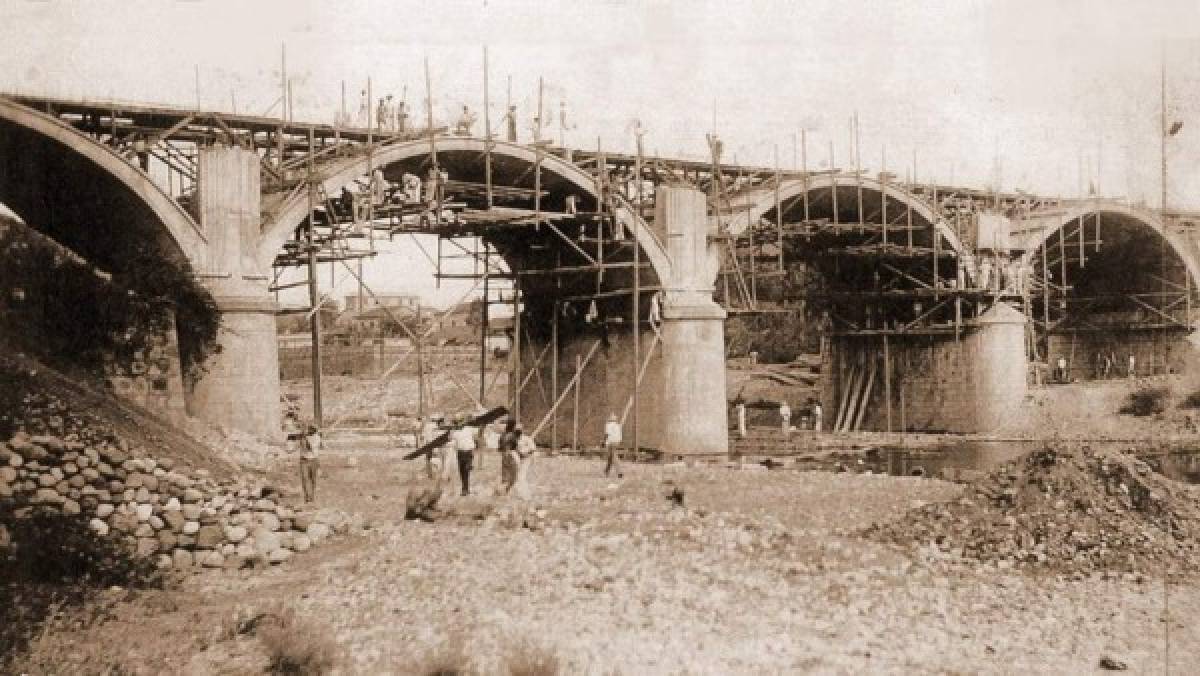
(1034,88)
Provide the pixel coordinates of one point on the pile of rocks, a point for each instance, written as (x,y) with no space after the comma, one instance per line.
(181,517)
(1065,509)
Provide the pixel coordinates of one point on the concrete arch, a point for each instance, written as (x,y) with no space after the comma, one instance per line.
(287,216)
(1036,229)
(754,204)
(20,120)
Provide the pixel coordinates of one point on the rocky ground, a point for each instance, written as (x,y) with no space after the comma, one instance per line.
(757,572)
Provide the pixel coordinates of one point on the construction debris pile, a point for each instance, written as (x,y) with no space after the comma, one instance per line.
(1061,509)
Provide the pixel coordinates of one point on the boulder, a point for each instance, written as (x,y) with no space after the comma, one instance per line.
(191,495)
(156,522)
(98,527)
(268,520)
(266,541)
(143,530)
(191,512)
(208,537)
(123,522)
(236,534)
(317,532)
(279,556)
(212,559)
(47,496)
(174,520)
(172,505)
(146,546)
(182,558)
(71,507)
(8,474)
(167,540)
(143,511)
(301,542)
(104,509)
(164,561)
(191,527)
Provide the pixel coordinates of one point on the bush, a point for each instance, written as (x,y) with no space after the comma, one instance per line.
(447,659)
(53,563)
(297,646)
(526,658)
(64,311)
(1191,401)
(1147,401)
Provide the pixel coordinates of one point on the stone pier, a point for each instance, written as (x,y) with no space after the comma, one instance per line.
(240,386)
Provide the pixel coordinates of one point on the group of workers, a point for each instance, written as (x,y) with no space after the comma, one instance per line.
(465,442)
(1104,366)
(812,420)
(429,194)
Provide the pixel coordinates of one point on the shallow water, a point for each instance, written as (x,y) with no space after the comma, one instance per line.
(965,460)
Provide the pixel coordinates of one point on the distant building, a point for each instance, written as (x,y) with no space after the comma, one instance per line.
(406,301)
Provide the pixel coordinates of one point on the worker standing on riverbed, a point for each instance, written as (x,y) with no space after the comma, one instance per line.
(463,439)
(612,443)
(310,450)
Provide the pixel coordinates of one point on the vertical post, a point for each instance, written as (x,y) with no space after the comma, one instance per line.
(515,379)
(487,133)
(483,330)
(283,85)
(883,197)
(197,87)
(637,292)
(575,408)
(436,197)
(833,184)
(314,299)
(887,381)
(419,338)
(858,171)
(554,371)
(370,161)
(778,213)
(537,167)
(804,170)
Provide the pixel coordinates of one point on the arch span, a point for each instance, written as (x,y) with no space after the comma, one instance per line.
(67,184)
(559,178)
(1035,230)
(755,204)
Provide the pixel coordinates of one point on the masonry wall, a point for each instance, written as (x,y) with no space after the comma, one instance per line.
(154,380)
(973,385)
(1155,352)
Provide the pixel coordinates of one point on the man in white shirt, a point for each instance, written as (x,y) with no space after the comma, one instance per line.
(785,418)
(612,442)
(463,439)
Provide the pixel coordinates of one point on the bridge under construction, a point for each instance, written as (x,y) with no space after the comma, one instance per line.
(938,307)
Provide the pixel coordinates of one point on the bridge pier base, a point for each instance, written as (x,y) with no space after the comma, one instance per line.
(691,390)
(239,388)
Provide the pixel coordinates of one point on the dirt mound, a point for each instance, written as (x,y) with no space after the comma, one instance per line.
(40,400)
(1062,509)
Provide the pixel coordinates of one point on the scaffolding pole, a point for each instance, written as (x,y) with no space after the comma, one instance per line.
(314,299)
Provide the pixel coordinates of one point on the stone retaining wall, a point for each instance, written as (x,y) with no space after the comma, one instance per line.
(180,517)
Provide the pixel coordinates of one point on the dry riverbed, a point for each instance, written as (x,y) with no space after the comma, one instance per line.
(757,572)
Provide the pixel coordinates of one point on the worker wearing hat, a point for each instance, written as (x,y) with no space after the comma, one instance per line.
(612,442)
(310,450)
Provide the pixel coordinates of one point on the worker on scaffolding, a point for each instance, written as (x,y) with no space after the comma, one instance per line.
(379,187)
(411,184)
(381,114)
(465,121)
(656,310)
(401,117)
(364,110)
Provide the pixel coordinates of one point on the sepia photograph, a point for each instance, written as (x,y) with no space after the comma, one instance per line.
(599,337)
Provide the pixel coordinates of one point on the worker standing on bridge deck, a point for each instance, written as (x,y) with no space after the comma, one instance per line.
(465,122)
(785,418)
(612,443)
(401,117)
(364,110)
(510,124)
